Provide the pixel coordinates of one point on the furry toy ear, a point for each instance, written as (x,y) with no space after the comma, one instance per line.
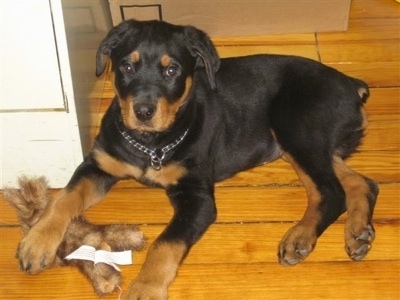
(29,201)
(200,46)
(110,42)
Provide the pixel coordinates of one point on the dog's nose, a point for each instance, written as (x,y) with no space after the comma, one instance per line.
(144,112)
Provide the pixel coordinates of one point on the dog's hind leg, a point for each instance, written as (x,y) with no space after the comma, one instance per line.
(361,194)
(326,202)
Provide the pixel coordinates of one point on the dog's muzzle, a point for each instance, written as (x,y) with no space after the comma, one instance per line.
(143,111)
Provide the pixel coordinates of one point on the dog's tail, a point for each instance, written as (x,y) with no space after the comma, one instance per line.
(362,89)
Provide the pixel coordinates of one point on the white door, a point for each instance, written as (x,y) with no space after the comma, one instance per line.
(38,124)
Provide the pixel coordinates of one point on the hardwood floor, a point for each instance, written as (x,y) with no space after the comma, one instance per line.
(236,259)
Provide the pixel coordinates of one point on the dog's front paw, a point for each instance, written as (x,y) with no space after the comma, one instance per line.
(358,239)
(146,290)
(296,245)
(37,251)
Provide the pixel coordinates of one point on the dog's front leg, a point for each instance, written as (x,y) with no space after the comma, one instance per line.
(87,186)
(195,211)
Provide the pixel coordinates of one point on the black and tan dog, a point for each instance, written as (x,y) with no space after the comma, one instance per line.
(183,119)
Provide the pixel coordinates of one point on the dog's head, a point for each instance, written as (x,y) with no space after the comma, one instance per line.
(152,69)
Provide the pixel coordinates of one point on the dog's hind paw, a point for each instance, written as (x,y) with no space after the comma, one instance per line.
(296,245)
(359,243)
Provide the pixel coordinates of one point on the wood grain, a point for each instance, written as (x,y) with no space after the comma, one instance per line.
(236,259)
(276,203)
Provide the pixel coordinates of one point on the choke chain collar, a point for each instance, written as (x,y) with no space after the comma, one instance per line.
(156,155)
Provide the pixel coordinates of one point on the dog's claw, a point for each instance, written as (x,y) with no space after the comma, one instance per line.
(303,252)
(368,235)
(360,252)
(359,245)
(25,268)
(288,261)
(285,260)
(21,266)
(43,263)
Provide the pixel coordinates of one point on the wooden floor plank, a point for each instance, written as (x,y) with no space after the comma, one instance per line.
(271,281)
(353,52)
(384,104)
(279,39)
(343,280)
(383,135)
(235,204)
(370,9)
(369,50)
(364,30)
(375,74)
(362,280)
(309,51)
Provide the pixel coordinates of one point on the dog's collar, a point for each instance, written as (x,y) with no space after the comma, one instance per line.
(156,155)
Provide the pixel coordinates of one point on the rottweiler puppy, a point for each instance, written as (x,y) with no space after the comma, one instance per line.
(183,119)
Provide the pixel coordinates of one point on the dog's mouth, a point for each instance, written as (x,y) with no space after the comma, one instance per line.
(141,126)
(148,127)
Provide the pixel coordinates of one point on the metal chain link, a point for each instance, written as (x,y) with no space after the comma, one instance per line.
(155,159)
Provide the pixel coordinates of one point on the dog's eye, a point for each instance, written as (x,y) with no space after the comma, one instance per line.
(171,71)
(127,69)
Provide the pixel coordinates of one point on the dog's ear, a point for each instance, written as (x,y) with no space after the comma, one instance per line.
(110,42)
(201,47)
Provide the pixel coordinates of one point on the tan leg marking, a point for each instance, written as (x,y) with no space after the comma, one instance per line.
(311,216)
(167,176)
(300,240)
(356,190)
(116,167)
(73,202)
(359,233)
(158,271)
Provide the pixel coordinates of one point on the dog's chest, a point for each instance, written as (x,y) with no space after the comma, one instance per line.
(166,176)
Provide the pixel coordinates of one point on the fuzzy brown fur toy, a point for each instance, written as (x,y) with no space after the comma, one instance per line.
(30,201)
